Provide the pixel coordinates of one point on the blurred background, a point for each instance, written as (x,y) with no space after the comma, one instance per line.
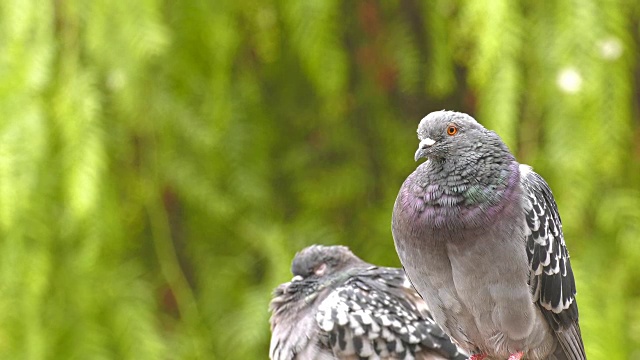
(162,161)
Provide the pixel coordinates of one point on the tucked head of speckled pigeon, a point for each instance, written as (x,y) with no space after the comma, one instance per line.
(445,134)
(320,260)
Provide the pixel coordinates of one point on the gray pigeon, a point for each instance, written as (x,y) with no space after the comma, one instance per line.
(480,238)
(340,307)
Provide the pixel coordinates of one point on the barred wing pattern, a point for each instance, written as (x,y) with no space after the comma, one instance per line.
(378,315)
(551,277)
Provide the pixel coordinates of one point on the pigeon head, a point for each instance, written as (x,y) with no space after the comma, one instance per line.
(317,261)
(447,134)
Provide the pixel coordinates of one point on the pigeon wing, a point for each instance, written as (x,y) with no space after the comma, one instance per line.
(551,277)
(378,315)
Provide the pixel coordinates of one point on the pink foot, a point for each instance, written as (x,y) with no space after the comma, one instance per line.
(516,356)
(477,357)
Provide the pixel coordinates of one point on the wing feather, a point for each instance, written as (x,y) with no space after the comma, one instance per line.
(386,319)
(551,278)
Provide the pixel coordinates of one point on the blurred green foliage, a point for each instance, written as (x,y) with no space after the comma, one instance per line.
(162,161)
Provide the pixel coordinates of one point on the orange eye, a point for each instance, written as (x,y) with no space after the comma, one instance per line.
(452,130)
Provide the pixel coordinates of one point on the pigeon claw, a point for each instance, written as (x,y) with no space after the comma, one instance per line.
(477,357)
(516,356)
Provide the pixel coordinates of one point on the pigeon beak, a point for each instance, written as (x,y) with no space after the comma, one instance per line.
(423,147)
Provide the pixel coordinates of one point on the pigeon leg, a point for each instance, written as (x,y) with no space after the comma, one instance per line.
(516,356)
(477,357)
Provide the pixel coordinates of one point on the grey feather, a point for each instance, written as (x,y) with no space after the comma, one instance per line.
(480,237)
(340,307)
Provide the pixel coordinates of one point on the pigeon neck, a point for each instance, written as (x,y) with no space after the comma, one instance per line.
(467,184)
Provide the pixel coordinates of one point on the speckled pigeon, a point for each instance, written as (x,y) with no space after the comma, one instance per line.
(480,238)
(340,307)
